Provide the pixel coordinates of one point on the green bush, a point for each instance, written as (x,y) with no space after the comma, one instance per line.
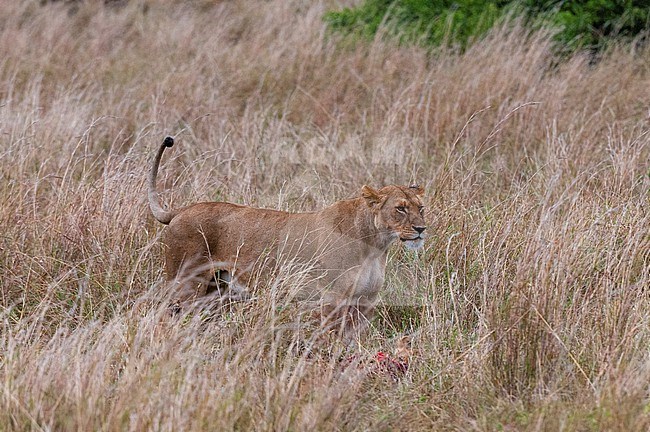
(430,22)
(580,23)
(592,23)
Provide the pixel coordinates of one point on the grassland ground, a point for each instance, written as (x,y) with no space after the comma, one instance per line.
(528,308)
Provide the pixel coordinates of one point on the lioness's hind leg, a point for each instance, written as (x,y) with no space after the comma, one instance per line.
(227,286)
(191,283)
(219,282)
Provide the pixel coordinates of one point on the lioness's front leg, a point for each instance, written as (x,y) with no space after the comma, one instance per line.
(348,317)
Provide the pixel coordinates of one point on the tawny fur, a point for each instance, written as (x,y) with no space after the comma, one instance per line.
(345,244)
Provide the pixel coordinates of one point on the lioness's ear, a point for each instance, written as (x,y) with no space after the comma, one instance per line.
(371,195)
(419,190)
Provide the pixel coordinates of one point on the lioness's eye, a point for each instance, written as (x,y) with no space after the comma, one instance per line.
(421,210)
(401,209)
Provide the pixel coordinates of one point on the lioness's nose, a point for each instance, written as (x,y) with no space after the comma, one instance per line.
(419,229)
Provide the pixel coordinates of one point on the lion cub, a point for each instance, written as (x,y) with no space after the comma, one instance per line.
(214,246)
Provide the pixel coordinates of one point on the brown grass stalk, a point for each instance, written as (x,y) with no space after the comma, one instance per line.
(528,308)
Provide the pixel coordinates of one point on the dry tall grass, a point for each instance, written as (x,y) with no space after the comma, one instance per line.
(528,308)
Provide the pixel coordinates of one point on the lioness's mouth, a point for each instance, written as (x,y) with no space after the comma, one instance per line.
(414,243)
(411,239)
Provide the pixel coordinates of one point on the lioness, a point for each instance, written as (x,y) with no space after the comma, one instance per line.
(215,245)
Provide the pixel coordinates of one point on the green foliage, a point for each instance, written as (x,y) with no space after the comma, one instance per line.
(592,23)
(428,22)
(580,23)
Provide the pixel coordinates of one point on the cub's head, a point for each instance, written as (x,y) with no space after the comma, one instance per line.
(399,212)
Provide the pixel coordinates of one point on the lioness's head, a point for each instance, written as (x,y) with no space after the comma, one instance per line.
(398,212)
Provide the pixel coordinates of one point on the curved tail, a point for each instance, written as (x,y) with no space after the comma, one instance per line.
(162,215)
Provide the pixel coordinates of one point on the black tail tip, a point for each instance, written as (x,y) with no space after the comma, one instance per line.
(168,142)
